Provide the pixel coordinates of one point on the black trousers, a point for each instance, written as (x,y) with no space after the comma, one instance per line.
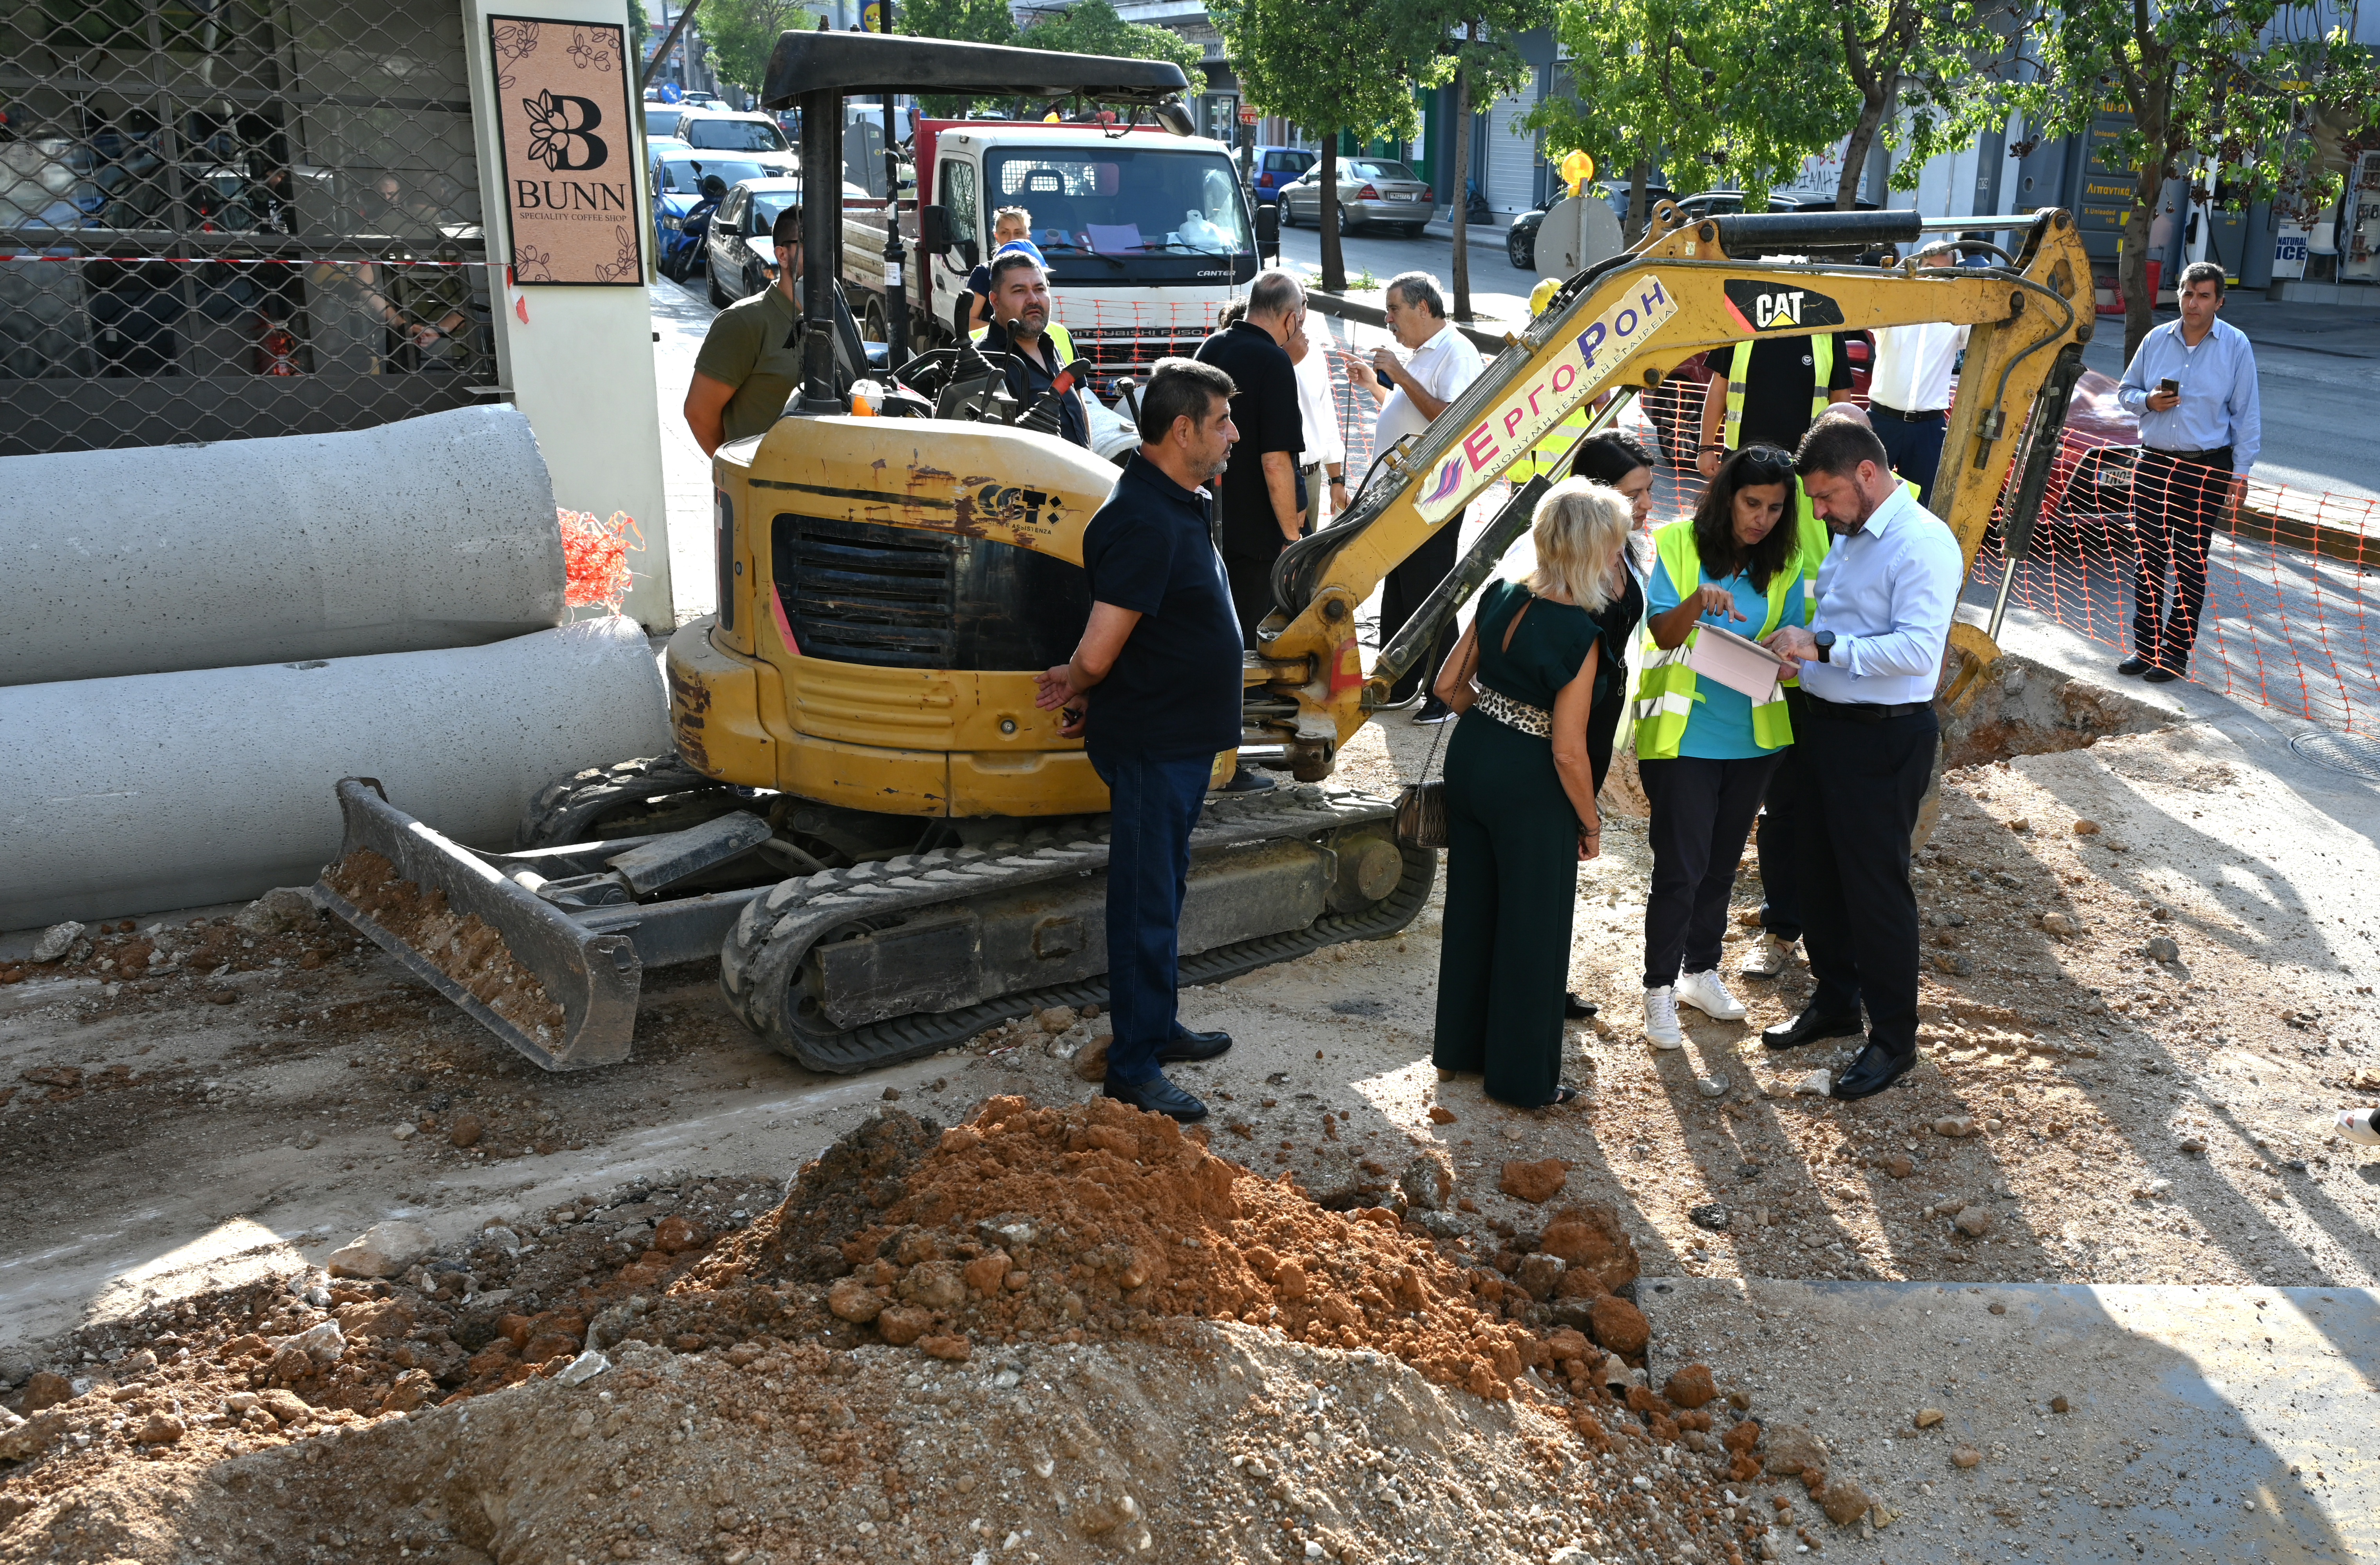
(1780,853)
(2175,507)
(1401,597)
(1916,448)
(1859,785)
(1702,812)
(1250,578)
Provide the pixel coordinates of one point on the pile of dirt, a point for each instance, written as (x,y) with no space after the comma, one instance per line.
(461,945)
(1060,1333)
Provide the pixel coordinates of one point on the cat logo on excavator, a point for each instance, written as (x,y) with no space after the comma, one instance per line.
(1764,306)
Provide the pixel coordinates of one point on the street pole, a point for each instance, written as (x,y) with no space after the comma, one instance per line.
(897,287)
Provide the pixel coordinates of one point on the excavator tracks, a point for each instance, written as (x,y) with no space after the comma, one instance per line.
(762,964)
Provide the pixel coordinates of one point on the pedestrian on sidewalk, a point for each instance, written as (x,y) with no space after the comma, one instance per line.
(2194,384)
(1520,799)
(1769,392)
(1154,692)
(1909,392)
(1706,751)
(1411,390)
(1866,738)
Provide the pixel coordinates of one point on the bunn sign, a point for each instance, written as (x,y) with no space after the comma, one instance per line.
(1769,307)
(1540,402)
(570,153)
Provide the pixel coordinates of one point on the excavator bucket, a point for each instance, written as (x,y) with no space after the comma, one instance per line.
(559,989)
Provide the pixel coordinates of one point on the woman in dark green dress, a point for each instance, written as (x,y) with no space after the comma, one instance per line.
(1520,799)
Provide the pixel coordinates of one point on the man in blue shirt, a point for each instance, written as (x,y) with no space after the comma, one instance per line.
(1863,744)
(1154,690)
(2194,384)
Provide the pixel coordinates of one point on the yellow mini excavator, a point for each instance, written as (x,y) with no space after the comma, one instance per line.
(868,821)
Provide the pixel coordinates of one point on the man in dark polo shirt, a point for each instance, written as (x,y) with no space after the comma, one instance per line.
(1154,690)
(1259,504)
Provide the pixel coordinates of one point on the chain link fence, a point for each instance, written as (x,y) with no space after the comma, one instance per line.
(227,218)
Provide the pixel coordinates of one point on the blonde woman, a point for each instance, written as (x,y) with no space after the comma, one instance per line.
(1520,797)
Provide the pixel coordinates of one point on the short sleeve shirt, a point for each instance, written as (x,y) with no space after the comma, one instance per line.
(1549,648)
(1443,366)
(1175,691)
(1777,386)
(1269,418)
(752,346)
(1720,727)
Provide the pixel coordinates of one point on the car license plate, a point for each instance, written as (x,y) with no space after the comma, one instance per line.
(1403,196)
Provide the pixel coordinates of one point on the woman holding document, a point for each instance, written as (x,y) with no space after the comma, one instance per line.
(1710,719)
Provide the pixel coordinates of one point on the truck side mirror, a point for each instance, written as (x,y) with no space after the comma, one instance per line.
(1269,230)
(971,252)
(934,229)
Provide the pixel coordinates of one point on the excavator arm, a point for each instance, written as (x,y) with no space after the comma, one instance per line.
(1624,325)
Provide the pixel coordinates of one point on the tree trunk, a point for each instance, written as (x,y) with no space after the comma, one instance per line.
(1864,134)
(2132,267)
(1334,261)
(1639,199)
(1462,195)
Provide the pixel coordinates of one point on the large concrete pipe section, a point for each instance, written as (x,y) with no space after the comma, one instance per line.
(436,532)
(123,797)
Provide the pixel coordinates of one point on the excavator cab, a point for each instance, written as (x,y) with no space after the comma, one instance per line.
(867,821)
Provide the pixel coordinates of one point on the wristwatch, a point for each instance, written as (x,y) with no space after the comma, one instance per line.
(1826,640)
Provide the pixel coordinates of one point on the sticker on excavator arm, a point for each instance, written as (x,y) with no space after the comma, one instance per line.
(1540,401)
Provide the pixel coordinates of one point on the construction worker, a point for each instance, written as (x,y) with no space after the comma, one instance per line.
(1768,393)
(750,365)
(1038,347)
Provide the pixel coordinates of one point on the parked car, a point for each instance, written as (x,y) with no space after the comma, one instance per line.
(738,255)
(1370,190)
(1276,166)
(678,172)
(661,119)
(753,136)
(1520,238)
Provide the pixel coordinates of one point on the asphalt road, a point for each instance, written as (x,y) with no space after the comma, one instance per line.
(1498,290)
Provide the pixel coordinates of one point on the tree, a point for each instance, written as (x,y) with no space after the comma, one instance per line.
(1733,92)
(1331,66)
(2239,82)
(742,33)
(1479,43)
(1092,27)
(1931,77)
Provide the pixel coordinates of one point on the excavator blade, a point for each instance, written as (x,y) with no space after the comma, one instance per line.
(562,994)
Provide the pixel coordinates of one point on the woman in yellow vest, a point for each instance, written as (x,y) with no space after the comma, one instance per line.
(1520,799)
(1704,751)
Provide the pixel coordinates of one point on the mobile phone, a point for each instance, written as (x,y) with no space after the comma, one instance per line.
(2170,384)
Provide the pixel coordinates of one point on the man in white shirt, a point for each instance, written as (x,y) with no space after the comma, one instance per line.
(1909,392)
(1325,449)
(1412,389)
(1863,744)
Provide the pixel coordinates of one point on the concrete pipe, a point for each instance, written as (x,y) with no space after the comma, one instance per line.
(436,532)
(123,797)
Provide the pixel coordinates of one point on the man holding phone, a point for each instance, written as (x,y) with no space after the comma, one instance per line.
(2192,383)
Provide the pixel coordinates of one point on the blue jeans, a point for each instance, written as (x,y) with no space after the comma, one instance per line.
(1154,805)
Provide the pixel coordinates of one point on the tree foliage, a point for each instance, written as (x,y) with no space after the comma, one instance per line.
(1092,27)
(742,32)
(1927,76)
(1333,66)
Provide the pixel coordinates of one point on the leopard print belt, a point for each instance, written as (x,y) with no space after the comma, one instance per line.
(1517,715)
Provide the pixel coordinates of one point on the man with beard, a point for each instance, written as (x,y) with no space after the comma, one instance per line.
(1038,349)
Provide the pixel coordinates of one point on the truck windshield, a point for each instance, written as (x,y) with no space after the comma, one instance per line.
(1122,201)
(731,134)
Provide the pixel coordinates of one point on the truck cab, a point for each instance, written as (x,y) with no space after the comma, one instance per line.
(1147,233)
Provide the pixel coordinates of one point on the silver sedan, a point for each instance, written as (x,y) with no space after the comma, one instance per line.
(1370,191)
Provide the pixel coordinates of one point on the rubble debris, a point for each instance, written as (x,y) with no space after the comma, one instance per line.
(280,911)
(56,941)
(1535,1182)
(385,1249)
(462,946)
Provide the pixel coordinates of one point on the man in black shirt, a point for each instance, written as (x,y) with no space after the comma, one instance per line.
(1154,690)
(1020,309)
(1767,390)
(1260,509)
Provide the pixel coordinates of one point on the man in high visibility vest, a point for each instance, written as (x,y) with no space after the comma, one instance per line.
(1038,347)
(1768,393)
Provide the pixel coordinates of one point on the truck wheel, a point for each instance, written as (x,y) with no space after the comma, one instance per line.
(872,325)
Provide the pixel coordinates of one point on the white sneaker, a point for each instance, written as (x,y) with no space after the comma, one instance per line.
(2359,1125)
(1769,957)
(1707,994)
(1661,1028)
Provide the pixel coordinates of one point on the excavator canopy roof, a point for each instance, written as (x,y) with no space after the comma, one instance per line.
(857,62)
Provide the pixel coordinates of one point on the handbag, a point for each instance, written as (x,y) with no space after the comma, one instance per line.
(1421,805)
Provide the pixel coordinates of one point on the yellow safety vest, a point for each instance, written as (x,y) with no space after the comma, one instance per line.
(1057,334)
(1822,369)
(1665,692)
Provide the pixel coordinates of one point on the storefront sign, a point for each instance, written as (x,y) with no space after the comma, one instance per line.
(569,153)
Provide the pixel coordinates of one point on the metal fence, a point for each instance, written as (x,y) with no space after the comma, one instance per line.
(225,218)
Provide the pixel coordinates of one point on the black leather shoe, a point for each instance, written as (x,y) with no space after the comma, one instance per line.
(1158,1095)
(1577,1010)
(1245,780)
(2160,676)
(1872,1072)
(2132,668)
(1809,1027)
(1184,1046)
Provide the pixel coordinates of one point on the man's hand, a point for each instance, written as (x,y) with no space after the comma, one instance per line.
(2164,401)
(2239,494)
(1793,644)
(1708,463)
(1361,374)
(1056,688)
(1387,365)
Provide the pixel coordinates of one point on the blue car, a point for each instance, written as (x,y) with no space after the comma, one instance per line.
(1276,166)
(680,206)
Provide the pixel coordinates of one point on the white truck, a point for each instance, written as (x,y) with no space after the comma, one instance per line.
(1147,233)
